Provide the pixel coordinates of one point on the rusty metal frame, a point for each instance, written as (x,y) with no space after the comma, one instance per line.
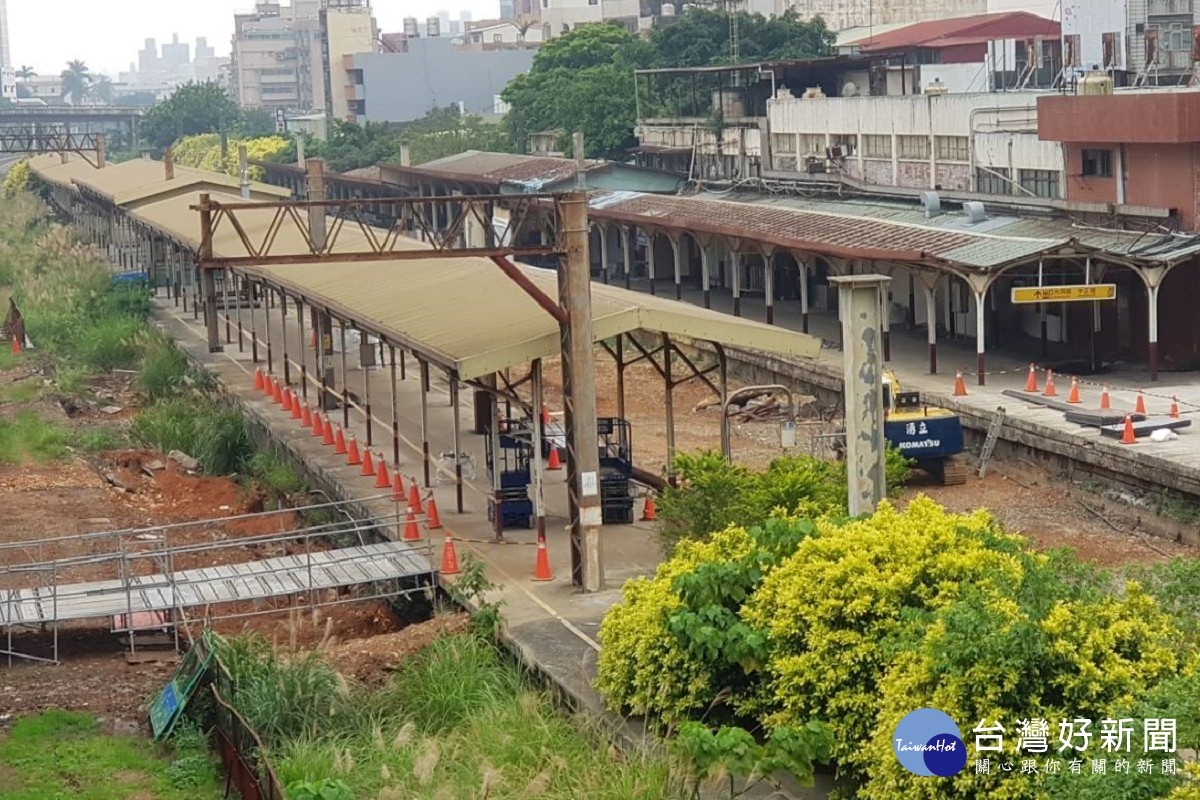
(38,139)
(412,213)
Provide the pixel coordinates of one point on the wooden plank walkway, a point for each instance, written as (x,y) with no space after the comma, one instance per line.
(251,580)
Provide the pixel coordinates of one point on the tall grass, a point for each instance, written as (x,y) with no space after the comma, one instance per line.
(454,721)
(28,437)
(275,473)
(212,432)
(164,368)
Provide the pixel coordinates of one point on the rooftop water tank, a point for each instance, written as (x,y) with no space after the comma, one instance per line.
(1096,83)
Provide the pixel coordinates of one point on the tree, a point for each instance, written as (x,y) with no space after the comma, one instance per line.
(102,90)
(76,82)
(193,108)
(26,72)
(583,80)
(580,81)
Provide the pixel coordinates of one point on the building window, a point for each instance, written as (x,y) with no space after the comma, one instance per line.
(846,142)
(1097,163)
(812,144)
(783,143)
(952,148)
(877,145)
(497,37)
(913,147)
(1042,182)
(992,180)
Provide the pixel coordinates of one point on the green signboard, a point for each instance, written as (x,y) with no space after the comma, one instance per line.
(169,704)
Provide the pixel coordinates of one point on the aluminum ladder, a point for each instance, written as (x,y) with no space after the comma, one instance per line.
(989,444)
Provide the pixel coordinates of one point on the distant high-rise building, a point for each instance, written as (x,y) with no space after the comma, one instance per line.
(465,15)
(292,56)
(203,51)
(5,52)
(176,56)
(148,58)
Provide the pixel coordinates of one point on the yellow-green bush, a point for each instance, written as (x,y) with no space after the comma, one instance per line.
(858,623)
(17,179)
(203,151)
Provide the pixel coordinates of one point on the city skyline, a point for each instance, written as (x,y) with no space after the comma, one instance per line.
(109,43)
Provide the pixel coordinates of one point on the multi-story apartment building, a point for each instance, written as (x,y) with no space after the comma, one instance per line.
(1138,42)
(291,57)
(5,51)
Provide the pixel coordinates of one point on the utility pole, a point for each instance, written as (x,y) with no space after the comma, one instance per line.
(859,300)
(579,392)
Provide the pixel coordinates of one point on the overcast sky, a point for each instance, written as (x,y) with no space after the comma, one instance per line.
(107,34)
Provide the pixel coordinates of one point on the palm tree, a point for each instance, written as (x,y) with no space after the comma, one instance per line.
(76,81)
(25,73)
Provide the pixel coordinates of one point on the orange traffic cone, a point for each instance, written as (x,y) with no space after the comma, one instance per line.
(353,459)
(1127,436)
(317,428)
(649,512)
(432,520)
(541,568)
(545,414)
(960,386)
(382,480)
(411,534)
(553,463)
(1050,392)
(327,435)
(1031,381)
(449,557)
(1073,395)
(397,487)
(16,347)
(1104,401)
(276,392)
(268,385)
(1140,406)
(1174,407)
(285,396)
(368,464)
(414,498)
(297,414)
(306,417)
(258,379)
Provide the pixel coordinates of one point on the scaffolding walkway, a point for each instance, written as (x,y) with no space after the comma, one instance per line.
(162,576)
(253,580)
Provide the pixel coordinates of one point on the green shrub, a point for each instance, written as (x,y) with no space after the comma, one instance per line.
(326,789)
(712,493)
(224,444)
(109,343)
(212,432)
(168,424)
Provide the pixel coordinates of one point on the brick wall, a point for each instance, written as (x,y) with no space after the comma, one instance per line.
(914,173)
(1089,189)
(954,177)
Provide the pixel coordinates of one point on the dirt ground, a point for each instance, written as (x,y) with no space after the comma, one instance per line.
(1027,499)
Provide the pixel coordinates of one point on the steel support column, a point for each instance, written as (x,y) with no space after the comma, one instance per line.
(669,407)
(303,348)
(539,499)
(345,384)
(424,367)
(395,410)
(458,479)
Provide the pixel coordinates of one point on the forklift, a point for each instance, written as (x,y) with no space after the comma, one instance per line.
(512,498)
(616,470)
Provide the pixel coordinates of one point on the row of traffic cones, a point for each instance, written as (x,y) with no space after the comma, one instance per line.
(1139,406)
(375,465)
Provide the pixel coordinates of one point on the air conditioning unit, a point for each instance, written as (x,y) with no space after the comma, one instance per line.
(835,152)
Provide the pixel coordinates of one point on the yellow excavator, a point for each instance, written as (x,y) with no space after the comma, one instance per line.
(929,435)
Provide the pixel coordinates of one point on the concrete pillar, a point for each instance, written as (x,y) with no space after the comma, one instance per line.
(859,304)
(769,282)
(677,252)
(603,252)
(705,276)
(735,267)
(628,238)
(803,292)
(929,283)
(1152,315)
(980,328)
(650,237)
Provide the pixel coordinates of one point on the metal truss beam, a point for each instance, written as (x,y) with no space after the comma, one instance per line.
(15,139)
(449,237)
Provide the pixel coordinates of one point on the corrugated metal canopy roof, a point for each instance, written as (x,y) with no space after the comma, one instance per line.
(495,169)
(463,313)
(139,179)
(883,230)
